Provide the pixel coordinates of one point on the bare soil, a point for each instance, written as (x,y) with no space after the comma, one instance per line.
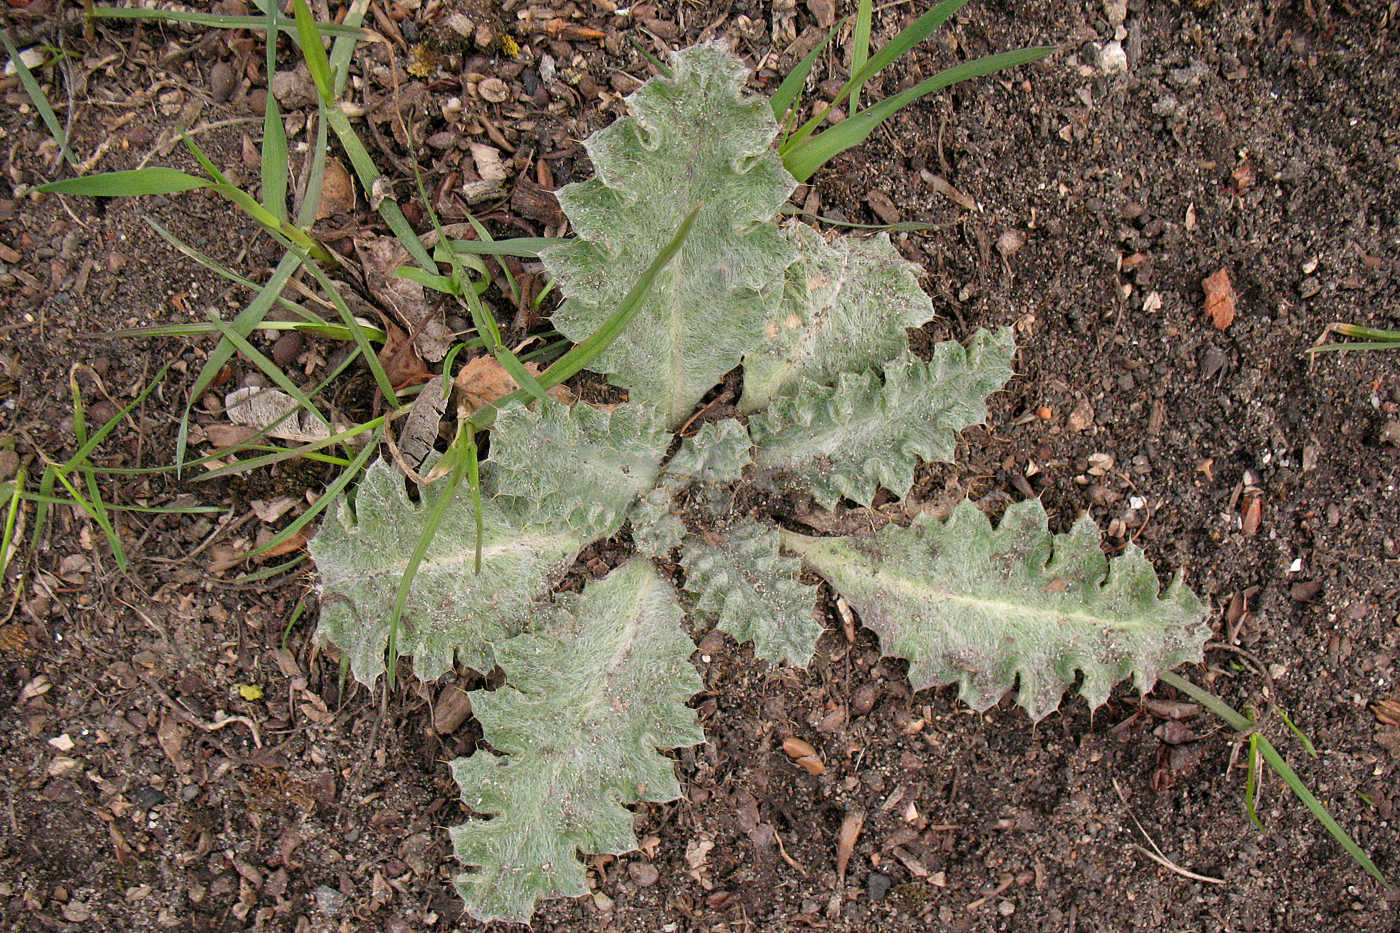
(1083,207)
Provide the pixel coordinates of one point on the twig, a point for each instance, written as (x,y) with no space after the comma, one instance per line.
(1156,853)
(198,723)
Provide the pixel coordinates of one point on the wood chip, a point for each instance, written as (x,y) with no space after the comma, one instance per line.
(1220,299)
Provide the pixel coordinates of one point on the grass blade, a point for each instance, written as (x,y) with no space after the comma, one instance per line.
(525,247)
(269,369)
(289,453)
(357,333)
(37,98)
(95,506)
(274,145)
(1319,812)
(860,49)
(313,52)
(581,354)
(243,323)
(88,444)
(464,449)
(368,173)
(128,183)
(910,36)
(804,159)
(331,495)
(1274,760)
(11,519)
(785,97)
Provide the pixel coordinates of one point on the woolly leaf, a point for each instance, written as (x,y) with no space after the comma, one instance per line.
(361,554)
(739,577)
(656,529)
(576,464)
(851,438)
(988,609)
(692,139)
(717,453)
(845,308)
(587,704)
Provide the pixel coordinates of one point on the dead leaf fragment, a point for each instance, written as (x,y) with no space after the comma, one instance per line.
(1220,299)
(846,841)
(258,407)
(337,191)
(1253,514)
(491,173)
(484,380)
(1387,711)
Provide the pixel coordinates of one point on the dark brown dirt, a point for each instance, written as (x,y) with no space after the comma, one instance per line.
(1256,137)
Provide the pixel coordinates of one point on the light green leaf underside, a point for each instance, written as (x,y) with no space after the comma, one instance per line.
(986,609)
(753,591)
(361,554)
(850,439)
(717,453)
(845,308)
(691,139)
(588,702)
(575,465)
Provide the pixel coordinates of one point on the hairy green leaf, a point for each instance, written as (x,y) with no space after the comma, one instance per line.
(692,139)
(739,577)
(587,704)
(717,453)
(988,608)
(361,554)
(863,433)
(845,307)
(576,465)
(656,529)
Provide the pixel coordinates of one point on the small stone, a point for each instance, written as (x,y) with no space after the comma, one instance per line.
(329,901)
(1115,11)
(877,885)
(286,349)
(221,81)
(1390,434)
(1112,59)
(1082,417)
(643,873)
(1006,908)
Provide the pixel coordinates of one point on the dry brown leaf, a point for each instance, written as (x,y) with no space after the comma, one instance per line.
(1220,299)
(1387,711)
(337,191)
(380,259)
(400,359)
(257,407)
(846,841)
(1253,514)
(484,380)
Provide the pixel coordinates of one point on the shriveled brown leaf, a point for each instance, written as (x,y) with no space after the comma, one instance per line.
(337,191)
(846,841)
(484,380)
(400,359)
(380,259)
(1220,299)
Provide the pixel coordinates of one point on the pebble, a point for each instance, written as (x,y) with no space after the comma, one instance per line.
(863,700)
(221,81)
(877,885)
(329,901)
(1112,58)
(643,873)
